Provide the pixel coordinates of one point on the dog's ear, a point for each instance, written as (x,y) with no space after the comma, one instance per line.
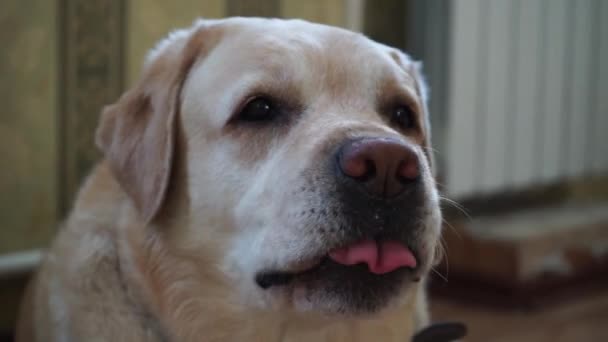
(137,133)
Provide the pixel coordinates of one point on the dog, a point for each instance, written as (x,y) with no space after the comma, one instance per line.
(264,180)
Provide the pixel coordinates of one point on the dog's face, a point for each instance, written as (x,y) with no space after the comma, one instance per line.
(294,156)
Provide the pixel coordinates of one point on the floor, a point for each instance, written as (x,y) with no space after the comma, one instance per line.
(579,320)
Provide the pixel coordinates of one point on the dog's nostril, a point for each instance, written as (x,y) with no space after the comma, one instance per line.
(408,169)
(371,170)
(368,173)
(359,168)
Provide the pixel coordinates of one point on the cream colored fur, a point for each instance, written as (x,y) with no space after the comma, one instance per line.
(127,268)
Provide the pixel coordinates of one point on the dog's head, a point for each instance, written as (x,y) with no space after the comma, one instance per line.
(294,156)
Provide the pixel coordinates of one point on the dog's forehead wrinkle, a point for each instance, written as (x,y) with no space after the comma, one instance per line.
(333,54)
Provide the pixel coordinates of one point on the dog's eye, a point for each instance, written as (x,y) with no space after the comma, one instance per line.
(404,117)
(258,109)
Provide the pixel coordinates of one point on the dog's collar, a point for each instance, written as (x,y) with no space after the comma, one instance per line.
(441,332)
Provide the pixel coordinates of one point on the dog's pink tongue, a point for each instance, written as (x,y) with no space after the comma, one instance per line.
(380,256)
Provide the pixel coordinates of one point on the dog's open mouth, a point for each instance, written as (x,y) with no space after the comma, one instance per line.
(367,258)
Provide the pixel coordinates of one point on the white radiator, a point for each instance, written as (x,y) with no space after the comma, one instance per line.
(527,94)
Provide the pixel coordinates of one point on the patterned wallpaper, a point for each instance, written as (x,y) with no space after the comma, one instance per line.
(91,43)
(28,135)
(61,62)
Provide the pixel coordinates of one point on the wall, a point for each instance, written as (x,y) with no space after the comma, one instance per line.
(527,85)
(150,20)
(28,135)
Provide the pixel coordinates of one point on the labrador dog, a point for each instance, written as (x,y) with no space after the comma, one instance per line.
(264,180)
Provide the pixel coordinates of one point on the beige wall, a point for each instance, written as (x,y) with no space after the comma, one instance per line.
(150,20)
(28,141)
(328,12)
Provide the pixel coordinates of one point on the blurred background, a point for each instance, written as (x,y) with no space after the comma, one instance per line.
(519,107)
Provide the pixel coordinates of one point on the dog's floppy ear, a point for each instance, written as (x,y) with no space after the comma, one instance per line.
(137,133)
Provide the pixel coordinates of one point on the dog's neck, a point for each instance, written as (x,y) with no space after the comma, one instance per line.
(189,304)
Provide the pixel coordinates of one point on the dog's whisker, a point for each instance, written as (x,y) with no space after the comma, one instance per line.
(450,226)
(456,205)
(439,274)
(429,148)
(444,247)
(440,184)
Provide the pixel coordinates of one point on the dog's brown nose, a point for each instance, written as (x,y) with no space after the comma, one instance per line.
(384,166)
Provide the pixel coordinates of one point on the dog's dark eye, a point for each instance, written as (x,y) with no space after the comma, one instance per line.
(404,117)
(258,109)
